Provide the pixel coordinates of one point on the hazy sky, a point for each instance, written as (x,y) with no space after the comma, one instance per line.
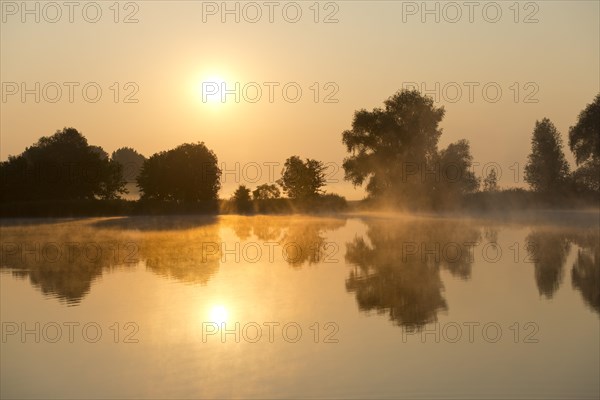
(543,56)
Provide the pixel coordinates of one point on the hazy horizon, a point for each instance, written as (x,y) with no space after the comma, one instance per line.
(373,50)
(175,219)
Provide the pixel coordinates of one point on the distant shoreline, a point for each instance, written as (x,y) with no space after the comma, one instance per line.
(583,210)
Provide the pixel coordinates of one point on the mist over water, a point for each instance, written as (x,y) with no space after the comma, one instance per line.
(272,302)
(300,199)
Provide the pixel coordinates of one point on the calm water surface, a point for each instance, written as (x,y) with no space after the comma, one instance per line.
(379,306)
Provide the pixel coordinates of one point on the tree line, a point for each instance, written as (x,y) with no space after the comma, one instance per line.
(392,151)
(64,167)
(394,154)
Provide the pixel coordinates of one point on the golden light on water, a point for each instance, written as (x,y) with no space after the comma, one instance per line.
(299,199)
(218,314)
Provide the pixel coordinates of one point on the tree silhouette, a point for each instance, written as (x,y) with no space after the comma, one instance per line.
(241,199)
(490,182)
(187,174)
(584,142)
(584,137)
(131,161)
(456,176)
(61,167)
(302,180)
(547,170)
(389,144)
(100,151)
(266,192)
(587,175)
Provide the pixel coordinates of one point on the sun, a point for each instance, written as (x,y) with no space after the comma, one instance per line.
(215,88)
(210,89)
(218,314)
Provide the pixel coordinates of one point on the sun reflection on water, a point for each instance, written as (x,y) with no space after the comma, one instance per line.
(218,314)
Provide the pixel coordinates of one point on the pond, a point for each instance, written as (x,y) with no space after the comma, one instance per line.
(349,306)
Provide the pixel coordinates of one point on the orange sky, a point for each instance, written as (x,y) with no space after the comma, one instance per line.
(365,52)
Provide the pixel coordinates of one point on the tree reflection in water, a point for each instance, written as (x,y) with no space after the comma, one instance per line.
(397,263)
(398,266)
(302,239)
(585,275)
(63,259)
(549,248)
